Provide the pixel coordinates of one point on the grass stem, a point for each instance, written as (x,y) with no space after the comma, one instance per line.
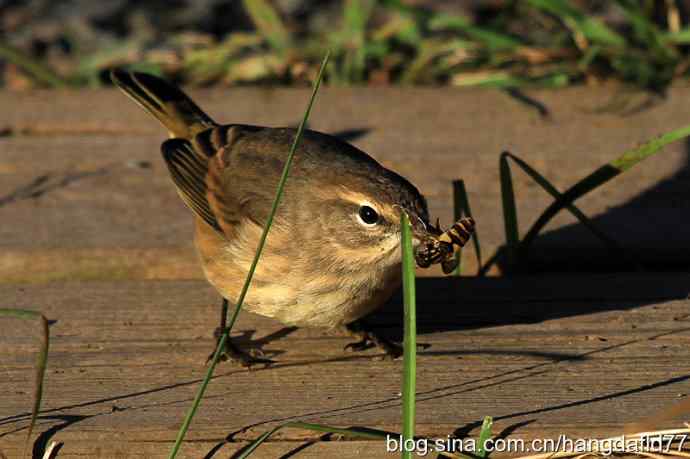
(245,288)
(410,334)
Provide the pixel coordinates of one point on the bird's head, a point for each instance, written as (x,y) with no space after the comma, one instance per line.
(355,206)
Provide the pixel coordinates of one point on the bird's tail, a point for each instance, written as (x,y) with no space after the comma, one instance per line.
(172,107)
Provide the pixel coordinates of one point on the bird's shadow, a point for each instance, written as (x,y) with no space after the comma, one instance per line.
(246,341)
(462,303)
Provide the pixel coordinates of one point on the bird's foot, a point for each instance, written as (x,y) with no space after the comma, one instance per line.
(369,339)
(233,353)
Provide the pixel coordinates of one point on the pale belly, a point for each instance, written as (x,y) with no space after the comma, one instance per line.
(294,294)
(358,296)
(309,304)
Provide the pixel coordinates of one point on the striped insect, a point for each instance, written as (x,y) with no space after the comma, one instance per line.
(442,247)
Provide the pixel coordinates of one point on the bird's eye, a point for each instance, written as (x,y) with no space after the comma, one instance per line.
(368,215)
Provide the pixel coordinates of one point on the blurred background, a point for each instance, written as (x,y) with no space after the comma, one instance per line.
(498,43)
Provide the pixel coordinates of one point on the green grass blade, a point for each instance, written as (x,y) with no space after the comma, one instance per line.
(371,434)
(484,435)
(588,57)
(682,37)
(256,443)
(19,313)
(510,219)
(410,336)
(493,40)
(504,79)
(34,68)
(39,376)
(268,23)
(612,245)
(351,432)
(659,58)
(426,65)
(461,206)
(593,29)
(411,21)
(356,15)
(41,362)
(279,192)
(489,263)
(600,176)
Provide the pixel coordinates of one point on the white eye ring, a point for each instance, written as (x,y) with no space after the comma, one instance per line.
(367,215)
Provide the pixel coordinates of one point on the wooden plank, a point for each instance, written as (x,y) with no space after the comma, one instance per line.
(575,355)
(78,448)
(107,189)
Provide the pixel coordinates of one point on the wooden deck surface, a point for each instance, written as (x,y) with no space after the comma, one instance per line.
(582,355)
(88,196)
(93,235)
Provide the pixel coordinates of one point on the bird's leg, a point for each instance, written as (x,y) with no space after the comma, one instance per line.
(368,339)
(231,351)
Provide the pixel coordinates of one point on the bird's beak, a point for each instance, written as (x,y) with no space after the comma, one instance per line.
(425,241)
(421,231)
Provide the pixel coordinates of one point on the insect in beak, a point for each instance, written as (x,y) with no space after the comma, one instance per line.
(438,246)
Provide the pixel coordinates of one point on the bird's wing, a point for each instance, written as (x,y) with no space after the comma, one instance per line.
(220,188)
(189,169)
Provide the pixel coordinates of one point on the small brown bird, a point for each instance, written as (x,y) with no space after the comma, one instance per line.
(333,252)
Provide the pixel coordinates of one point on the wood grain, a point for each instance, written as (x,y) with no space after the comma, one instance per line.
(94,236)
(578,355)
(102,184)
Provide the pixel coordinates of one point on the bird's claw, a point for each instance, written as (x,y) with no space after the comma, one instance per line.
(232,353)
(369,339)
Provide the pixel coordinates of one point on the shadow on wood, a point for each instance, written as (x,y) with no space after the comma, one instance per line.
(460,303)
(649,227)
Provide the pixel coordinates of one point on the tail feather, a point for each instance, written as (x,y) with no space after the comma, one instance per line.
(168,104)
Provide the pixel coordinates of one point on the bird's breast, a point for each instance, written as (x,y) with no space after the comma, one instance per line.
(287,287)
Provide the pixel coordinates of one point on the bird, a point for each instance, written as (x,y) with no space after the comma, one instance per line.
(332,255)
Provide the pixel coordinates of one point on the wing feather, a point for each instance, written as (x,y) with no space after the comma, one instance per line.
(226,174)
(189,170)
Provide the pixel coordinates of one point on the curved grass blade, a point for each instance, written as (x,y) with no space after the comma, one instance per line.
(612,245)
(510,219)
(484,436)
(461,206)
(600,176)
(410,334)
(279,192)
(349,432)
(489,263)
(41,362)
